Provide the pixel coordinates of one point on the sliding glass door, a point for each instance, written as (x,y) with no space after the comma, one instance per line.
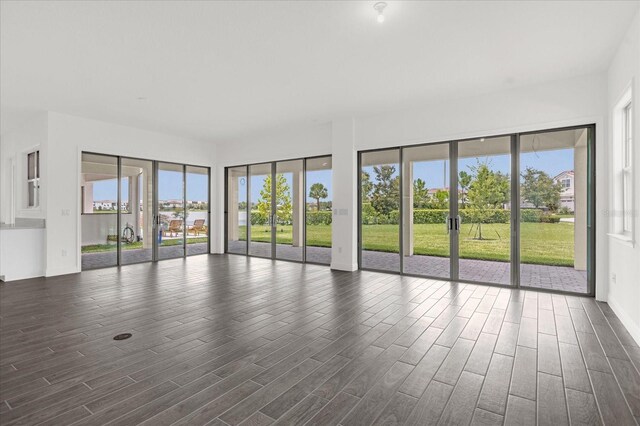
(237,218)
(521,213)
(136,210)
(261,186)
(319,210)
(136,217)
(197,210)
(484,196)
(289,210)
(555,210)
(380,207)
(426,199)
(171,210)
(280,210)
(99,214)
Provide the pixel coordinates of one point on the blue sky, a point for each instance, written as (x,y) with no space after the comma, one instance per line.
(170,187)
(552,162)
(319,176)
(436,173)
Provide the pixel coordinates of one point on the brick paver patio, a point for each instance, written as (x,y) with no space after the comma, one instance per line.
(538,276)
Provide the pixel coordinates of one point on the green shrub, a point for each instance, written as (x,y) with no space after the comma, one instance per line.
(319,218)
(531,215)
(485,216)
(259,218)
(421,216)
(549,218)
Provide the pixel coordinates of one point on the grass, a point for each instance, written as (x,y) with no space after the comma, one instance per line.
(541,243)
(98,248)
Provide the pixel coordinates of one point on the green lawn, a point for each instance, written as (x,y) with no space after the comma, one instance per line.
(541,243)
(97,248)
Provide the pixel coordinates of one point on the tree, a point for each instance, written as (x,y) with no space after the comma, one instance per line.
(440,200)
(317,191)
(283,199)
(420,193)
(539,189)
(488,190)
(464,180)
(386,192)
(366,185)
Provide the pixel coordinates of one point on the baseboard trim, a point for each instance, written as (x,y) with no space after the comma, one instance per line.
(628,323)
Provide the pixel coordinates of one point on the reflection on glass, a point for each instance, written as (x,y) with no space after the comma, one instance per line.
(171,210)
(237,210)
(426,247)
(136,219)
(319,210)
(197,216)
(380,205)
(99,220)
(484,192)
(260,214)
(289,199)
(553,216)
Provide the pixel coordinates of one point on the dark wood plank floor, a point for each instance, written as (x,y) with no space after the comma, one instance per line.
(234,340)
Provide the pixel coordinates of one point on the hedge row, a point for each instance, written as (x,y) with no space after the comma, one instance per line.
(422,216)
(313,218)
(426,216)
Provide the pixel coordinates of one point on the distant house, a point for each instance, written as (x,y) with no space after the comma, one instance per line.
(567,196)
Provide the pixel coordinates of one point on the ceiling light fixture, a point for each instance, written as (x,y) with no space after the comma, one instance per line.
(379,7)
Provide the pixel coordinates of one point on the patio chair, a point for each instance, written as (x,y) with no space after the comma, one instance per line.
(175,226)
(198,227)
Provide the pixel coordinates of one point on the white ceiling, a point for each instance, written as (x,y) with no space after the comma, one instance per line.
(221,70)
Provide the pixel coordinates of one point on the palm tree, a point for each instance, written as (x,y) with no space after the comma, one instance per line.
(317,192)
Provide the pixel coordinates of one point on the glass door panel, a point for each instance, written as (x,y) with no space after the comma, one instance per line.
(484,209)
(319,210)
(380,205)
(260,210)
(136,219)
(289,210)
(425,210)
(197,210)
(237,210)
(171,210)
(554,209)
(99,220)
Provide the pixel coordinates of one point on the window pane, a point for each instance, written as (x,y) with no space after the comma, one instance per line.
(32,194)
(31,165)
(319,210)
(380,205)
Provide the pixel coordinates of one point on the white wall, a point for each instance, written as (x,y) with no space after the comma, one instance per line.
(624,258)
(556,104)
(68,136)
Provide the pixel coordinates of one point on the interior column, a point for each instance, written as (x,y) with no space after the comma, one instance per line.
(344,240)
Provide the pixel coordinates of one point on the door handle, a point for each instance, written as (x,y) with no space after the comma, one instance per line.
(449,224)
(458,221)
